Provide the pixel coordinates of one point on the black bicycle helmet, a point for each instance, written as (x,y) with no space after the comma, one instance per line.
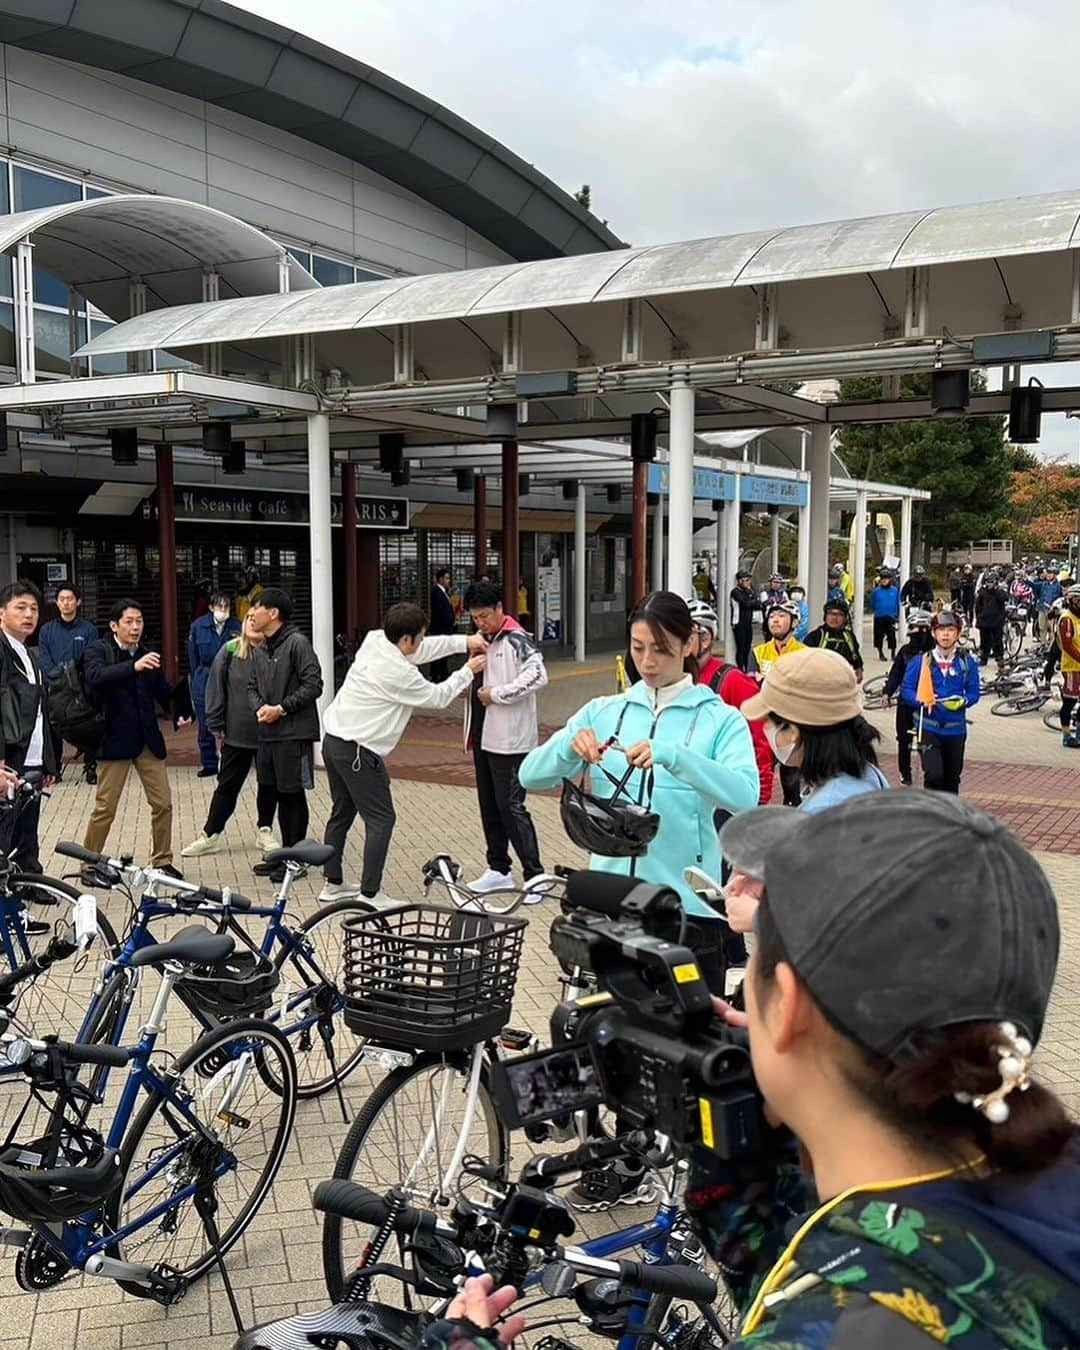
(241,985)
(614,826)
(31,1193)
(837,606)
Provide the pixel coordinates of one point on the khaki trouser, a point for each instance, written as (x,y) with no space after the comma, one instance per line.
(112,775)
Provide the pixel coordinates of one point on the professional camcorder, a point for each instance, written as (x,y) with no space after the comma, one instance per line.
(649,1044)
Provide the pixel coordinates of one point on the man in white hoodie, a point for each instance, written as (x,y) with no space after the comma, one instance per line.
(367,718)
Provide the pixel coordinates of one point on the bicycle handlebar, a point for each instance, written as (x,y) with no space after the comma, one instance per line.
(58,949)
(348,1200)
(225,896)
(113,1056)
(677,1281)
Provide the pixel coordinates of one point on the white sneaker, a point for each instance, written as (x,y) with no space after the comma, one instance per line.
(537,889)
(266,839)
(492,881)
(380,899)
(338,891)
(205,843)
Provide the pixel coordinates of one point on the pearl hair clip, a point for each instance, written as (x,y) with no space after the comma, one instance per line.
(1012,1065)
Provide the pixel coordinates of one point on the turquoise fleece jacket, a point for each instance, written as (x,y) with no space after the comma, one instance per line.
(703,759)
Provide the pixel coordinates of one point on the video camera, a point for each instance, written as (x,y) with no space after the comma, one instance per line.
(649,1044)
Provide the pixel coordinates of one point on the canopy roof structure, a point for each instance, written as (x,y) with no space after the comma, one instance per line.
(241,62)
(100,246)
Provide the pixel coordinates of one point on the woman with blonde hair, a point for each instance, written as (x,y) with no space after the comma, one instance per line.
(230,717)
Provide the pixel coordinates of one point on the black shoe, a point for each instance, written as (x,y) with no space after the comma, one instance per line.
(171,871)
(36,928)
(90,777)
(604,1188)
(207,773)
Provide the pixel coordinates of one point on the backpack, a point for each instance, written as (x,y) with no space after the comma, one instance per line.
(73,714)
(717,678)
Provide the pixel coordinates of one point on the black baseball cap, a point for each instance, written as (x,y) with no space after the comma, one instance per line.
(904,911)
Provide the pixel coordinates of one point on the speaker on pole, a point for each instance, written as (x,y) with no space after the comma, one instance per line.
(1025,413)
(642,437)
(391,451)
(124,442)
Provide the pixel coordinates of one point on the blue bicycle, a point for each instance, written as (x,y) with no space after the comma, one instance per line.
(157,1198)
(290,976)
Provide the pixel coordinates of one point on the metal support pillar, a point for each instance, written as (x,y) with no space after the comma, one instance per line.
(349,525)
(581,572)
(74,340)
(658,544)
(858,615)
(817,579)
(905,555)
(24,313)
(639,522)
(803,568)
(284,284)
(511,541)
(733,512)
(138,362)
(723,607)
(681,489)
(322,570)
(166,509)
(774,541)
(211,291)
(480,562)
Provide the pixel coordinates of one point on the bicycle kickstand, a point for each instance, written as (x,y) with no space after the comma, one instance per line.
(206,1208)
(326,1031)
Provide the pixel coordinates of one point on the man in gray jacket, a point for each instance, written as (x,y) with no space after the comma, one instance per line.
(283,691)
(502,727)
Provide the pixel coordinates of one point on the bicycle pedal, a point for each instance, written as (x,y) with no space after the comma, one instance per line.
(511,1038)
(234,1119)
(165,1286)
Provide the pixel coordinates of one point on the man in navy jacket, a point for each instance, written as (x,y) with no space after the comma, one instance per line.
(66,639)
(206,637)
(127,682)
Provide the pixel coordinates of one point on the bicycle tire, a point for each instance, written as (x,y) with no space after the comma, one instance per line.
(396,1083)
(1052,720)
(197,1061)
(316,1086)
(1016,705)
(874,691)
(42,1013)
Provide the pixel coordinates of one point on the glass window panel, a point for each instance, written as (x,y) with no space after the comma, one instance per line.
(92,193)
(5,203)
(302,256)
(330,272)
(116,364)
(7,277)
(34,189)
(50,290)
(362,274)
(173,361)
(7,335)
(52,345)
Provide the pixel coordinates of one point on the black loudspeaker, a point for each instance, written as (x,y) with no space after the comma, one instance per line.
(950,391)
(125,445)
(502,423)
(216,438)
(614,493)
(523,485)
(5,441)
(234,459)
(642,437)
(466,479)
(391,451)
(718,505)
(569,490)
(773,509)
(400,476)
(652,498)
(1025,413)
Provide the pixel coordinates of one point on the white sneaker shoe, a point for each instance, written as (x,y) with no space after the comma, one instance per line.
(205,843)
(492,881)
(338,891)
(537,889)
(266,839)
(380,899)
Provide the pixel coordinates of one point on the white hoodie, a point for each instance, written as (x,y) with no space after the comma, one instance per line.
(384,687)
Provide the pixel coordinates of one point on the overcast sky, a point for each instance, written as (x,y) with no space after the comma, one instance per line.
(708,117)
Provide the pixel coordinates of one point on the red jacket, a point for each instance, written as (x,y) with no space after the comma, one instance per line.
(735,688)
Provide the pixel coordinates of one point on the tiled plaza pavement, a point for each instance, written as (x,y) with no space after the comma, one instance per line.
(277,1268)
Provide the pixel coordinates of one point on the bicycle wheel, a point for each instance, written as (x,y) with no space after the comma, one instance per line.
(230,1119)
(1052,720)
(406,1135)
(874,691)
(1018,704)
(56,1001)
(316,965)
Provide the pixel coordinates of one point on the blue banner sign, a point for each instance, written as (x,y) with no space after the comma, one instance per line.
(711,485)
(776,491)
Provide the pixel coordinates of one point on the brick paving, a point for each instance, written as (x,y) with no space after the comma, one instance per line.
(1017,772)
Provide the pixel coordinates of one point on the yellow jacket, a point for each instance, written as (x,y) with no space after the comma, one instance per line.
(768,653)
(1069,642)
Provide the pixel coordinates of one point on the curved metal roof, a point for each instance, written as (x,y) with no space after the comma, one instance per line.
(97,246)
(880,244)
(236,60)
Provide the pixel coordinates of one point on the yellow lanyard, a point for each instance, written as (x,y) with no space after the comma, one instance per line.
(782,1269)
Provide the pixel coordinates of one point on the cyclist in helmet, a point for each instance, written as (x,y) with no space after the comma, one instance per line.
(919,641)
(775,593)
(918,591)
(782,640)
(1068,636)
(939,688)
(835,635)
(797,596)
(744,605)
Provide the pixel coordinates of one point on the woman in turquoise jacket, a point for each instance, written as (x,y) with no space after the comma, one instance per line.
(695,749)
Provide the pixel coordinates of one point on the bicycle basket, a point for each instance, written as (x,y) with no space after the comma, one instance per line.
(240,986)
(418,977)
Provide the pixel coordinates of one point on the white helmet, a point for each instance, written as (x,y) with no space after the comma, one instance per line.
(703,615)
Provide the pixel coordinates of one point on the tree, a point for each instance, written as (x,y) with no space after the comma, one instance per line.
(1043,499)
(963,461)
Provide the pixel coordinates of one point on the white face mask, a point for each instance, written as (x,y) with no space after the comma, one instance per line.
(220,615)
(782,752)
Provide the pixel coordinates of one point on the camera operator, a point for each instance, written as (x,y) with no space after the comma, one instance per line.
(945,1179)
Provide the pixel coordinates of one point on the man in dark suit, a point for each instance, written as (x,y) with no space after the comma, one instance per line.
(26,740)
(127,683)
(443,619)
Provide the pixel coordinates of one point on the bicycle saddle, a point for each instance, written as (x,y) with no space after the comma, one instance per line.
(195,946)
(308,851)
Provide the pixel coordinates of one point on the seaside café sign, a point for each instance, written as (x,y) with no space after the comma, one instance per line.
(234,507)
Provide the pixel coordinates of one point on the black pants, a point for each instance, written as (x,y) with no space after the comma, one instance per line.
(943,762)
(791,782)
(884,634)
(905,723)
(236,762)
(19,833)
(439,670)
(990,641)
(744,640)
(505,818)
(1067,707)
(359,786)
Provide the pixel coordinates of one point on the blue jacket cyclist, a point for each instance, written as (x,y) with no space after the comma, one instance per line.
(941,687)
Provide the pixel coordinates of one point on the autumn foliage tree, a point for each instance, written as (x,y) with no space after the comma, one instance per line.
(1042,501)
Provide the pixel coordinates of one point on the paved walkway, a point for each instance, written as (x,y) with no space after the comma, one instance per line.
(1017,769)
